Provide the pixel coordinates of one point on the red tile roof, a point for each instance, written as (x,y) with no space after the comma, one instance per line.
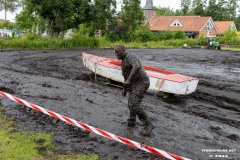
(190,23)
(222,26)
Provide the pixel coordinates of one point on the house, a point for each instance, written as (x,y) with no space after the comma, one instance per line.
(193,26)
(222,26)
(5,33)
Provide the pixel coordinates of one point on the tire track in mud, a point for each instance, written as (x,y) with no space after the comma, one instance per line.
(202,109)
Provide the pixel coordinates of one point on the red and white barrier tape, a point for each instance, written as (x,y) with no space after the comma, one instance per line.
(100,132)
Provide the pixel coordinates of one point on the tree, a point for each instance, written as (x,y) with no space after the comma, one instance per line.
(9,5)
(232,9)
(165,11)
(31,22)
(185,6)
(7,24)
(132,14)
(230,36)
(213,9)
(199,7)
(223,16)
(61,15)
(127,22)
(66,14)
(103,11)
(222,10)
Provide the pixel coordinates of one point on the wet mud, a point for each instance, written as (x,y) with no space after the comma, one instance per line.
(189,126)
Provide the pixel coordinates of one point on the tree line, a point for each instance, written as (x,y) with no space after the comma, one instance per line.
(57,16)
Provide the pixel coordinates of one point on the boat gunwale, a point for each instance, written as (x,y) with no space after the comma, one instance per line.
(105,61)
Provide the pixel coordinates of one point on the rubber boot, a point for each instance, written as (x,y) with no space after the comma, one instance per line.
(131,122)
(147,129)
(148,126)
(132,118)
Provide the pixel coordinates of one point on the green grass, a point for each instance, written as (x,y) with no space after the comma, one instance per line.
(150,44)
(36,42)
(230,49)
(78,41)
(15,144)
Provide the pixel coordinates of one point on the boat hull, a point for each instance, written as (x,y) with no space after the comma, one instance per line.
(160,80)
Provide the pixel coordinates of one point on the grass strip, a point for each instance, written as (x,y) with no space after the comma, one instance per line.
(16,144)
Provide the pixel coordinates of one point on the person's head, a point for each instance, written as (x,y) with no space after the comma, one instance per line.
(119,51)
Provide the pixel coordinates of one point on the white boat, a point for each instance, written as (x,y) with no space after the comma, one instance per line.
(160,80)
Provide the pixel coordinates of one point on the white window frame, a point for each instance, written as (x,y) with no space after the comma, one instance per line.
(176,23)
(209,25)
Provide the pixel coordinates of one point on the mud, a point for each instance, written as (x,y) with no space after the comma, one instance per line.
(188,126)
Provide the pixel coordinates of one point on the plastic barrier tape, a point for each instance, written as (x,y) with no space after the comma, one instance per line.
(100,132)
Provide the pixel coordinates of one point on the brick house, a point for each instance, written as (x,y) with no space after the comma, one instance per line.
(222,26)
(193,26)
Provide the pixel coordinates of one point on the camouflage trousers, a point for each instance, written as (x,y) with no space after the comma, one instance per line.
(136,95)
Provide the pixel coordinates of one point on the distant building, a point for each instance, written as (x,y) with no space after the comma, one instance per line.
(193,26)
(68,34)
(5,33)
(16,32)
(148,10)
(222,26)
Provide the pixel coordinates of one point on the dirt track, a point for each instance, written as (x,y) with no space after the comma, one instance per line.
(186,126)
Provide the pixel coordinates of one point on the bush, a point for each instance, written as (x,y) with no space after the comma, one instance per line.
(220,39)
(230,36)
(143,35)
(112,36)
(37,42)
(82,41)
(119,33)
(180,43)
(166,35)
(202,40)
(179,34)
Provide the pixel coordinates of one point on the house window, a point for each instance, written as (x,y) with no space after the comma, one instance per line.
(209,25)
(176,23)
(232,27)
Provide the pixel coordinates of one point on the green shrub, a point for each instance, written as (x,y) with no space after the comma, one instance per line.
(237,42)
(179,43)
(143,35)
(220,39)
(166,35)
(37,42)
(82,41)
(179,34)
(202,40)
(112,36)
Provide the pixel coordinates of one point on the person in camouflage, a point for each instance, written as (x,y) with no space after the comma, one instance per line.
(136,81)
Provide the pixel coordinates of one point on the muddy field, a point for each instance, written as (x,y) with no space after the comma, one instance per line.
(192,126)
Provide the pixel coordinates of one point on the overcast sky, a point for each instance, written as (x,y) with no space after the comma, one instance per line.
(175,4)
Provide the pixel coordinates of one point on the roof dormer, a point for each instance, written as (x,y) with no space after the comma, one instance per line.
(176,23)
